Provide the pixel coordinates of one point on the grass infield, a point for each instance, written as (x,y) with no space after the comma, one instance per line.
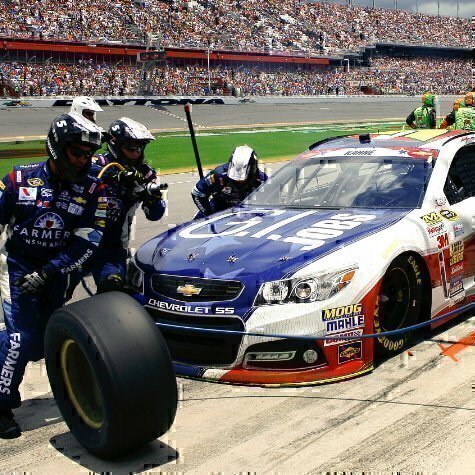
(173,152)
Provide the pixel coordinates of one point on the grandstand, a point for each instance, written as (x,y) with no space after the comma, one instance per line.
(284,47)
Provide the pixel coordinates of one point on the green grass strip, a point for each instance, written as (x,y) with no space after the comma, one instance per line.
(174,152)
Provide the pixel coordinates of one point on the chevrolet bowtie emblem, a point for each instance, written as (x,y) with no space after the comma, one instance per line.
(188,290)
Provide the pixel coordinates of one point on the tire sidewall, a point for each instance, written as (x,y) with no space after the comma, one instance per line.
(392,344)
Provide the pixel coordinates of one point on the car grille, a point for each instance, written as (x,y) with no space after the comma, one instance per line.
(211,290)
(200,348)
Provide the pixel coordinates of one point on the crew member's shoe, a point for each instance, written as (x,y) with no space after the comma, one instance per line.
(9,429)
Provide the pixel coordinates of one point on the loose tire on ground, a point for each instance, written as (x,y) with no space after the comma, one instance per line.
(399,304)
(111,373)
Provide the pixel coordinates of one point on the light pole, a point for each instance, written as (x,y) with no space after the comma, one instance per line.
(209,72)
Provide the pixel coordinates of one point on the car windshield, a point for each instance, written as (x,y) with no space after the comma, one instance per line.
(346,182)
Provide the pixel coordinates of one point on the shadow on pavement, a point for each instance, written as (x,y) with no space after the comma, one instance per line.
(152,455)
(36,413)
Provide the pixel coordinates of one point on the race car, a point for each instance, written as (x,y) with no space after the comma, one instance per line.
(356,235)
(16,103)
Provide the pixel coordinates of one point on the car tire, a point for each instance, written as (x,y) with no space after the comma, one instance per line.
(111,373)
(398,304)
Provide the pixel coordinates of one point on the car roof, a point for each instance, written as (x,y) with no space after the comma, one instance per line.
(418,144)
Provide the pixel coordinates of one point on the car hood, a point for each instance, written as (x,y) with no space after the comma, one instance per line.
(269,242)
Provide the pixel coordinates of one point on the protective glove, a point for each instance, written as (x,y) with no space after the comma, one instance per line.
(131,177)
(33,282)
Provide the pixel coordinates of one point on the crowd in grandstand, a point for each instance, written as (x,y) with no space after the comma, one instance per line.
(384,76)
(280,25)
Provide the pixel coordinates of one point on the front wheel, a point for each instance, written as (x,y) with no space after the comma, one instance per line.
(399,304)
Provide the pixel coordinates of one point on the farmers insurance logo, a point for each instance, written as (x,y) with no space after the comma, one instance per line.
(49,221)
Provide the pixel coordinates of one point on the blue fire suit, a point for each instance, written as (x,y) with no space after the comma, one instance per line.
(216,192)
(53,226)
(122,202)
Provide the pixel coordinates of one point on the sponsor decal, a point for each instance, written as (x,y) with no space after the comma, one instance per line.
(46,192)
(43,204)
(102,206)
(8,368)
(49,221)
(350,351)
(35,182)
(358,152)
(2,185)
(458,229)
(431,218)
(456,252)
(436,229)
(442,241)
(309,238)
(78,263)
(18,176)
(92,188)
(189,308)
(357,332)
(341,319)
(75,209)
(64,195)
(449,215)
(100,213)
(456,286)
(456,269)
(100,223)
(27,194)
(339,312)
(79,199)
(188,290)
(77,188)
(113,203)
(146,102)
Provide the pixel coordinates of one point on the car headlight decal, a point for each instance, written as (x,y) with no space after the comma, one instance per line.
(305,289)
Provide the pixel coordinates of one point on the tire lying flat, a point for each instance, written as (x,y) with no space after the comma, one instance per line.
(111,373)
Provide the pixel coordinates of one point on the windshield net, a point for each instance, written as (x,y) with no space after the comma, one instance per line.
(346,182)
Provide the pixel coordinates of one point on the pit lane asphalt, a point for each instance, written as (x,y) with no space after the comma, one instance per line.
(413,413)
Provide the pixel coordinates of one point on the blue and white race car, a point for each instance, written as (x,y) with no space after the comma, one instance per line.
(356,235)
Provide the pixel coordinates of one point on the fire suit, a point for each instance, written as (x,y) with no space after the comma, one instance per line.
(52,226)
(122,202)
(216,192)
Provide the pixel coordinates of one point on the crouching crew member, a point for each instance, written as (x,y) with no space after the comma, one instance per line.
(228,184)
(49,210)
(462,118)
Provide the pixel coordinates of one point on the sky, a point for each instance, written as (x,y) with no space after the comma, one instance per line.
(447,7)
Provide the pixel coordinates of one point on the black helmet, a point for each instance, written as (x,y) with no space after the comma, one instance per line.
(67,129)
(126,130)
(242,163)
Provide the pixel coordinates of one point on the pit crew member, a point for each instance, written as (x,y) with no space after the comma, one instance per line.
(126,191)
(464,117)
(424,117)
(228,184)
(49,211)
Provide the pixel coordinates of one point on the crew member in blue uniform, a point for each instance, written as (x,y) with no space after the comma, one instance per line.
(50,212)
(228,184)
(125,191)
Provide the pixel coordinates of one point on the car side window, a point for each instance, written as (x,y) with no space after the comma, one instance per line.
(460,183)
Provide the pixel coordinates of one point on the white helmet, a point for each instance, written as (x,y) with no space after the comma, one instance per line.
(86,104)
(242,163)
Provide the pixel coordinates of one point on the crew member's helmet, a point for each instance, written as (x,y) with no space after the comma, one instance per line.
(242,163)
(458,103)
(68,129)
(125,131)
(86,106)
(469,101)
(428,99)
